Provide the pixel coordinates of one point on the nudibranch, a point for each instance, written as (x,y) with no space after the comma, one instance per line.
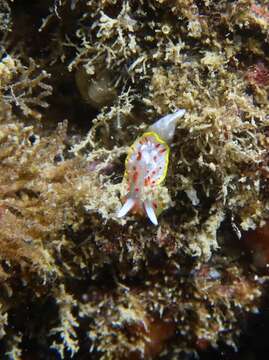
(146,168)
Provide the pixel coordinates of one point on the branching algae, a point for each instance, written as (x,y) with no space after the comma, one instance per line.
(78,282)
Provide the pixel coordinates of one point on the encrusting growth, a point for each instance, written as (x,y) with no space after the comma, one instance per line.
(76,281)
(146,167)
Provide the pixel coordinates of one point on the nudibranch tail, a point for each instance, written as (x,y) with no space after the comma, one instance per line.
(165,127)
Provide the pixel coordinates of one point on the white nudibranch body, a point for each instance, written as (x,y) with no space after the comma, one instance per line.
(146,168)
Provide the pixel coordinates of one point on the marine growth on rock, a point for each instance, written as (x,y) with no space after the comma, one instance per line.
(84,274)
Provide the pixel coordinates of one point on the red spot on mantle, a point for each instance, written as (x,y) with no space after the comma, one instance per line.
(139,156)
(135,176)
